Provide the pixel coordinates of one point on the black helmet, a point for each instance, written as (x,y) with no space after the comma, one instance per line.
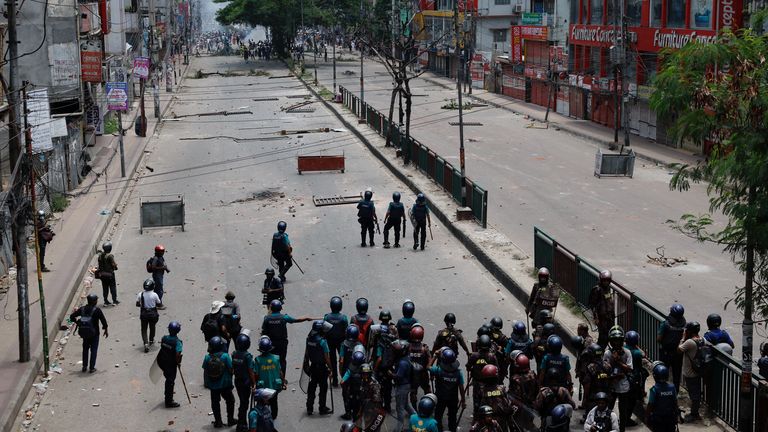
(693,327)
(348,427)
(484,342)
(617,333)
(92,299)
(450,319)
(361,305)
(560,415)
(174,327)
(519,328)
(408,309)
(281,226)
(396,197)
(107,246)
(545,315)
(426,406)
(420,198)
(385,315)
(265,344)
(497,323)
(358,358)
(552,377)
(215,344)
(548,329)
(677,310)
(554,344)
(149,284)
(486,411)
(367,195)
(602,396)
(336,304)
(605,275)
(242,342)
(577,342)
(276,305)
(543,273)
(714,321)
(269,271)
(596,350)
(317,326)
(352,332)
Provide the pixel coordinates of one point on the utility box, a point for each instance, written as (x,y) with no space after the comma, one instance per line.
(614,165)
(320,163)
(161,211)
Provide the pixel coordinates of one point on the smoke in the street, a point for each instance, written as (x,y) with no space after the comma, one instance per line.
(208,14)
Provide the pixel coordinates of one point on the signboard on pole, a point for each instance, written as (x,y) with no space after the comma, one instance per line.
(39,118)
(517,45)
(117,96)
(141,67)
(90,61)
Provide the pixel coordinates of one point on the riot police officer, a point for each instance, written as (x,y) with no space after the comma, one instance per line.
(661,412)
(336,335)
(539,345)
(362,320)
(551,394)
(383,361)
(519,341)
(244,370)
(597,377)
(418,352)
(544,295)
(273,288)
(523,387)
(366,215)
(275,325)
(169,359)
(282,251)
(485,421)
(405,323)
(484,355)
(370,395)
(668,336)
(500,341)
(393,219)
(493,394)
(450,337)
(560,419)
(348,346)
(449,387)
(402,372)
(423,420)
(317,364)
(554,359)
(351,385)
(601,303)
(420,219)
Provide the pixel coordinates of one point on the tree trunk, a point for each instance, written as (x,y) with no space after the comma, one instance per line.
(391,129)
(407,94)
(745,396)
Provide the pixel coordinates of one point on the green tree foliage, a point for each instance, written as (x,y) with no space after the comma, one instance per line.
(719,93)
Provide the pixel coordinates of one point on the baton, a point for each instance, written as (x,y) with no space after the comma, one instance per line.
(330,390)
(297,265)
(184,383)
(466,393)
(430,233)
(403,227)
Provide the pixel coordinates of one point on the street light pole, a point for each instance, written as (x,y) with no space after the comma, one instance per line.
(362,85)
(459,73)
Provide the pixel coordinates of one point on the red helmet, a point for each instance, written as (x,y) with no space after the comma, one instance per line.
(160,248)
(606,275)
(489,371)
(522,362)
(417,333)
(543,272)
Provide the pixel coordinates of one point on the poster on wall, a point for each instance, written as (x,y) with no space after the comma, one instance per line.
(701,14)
(90,59)
(141,67)
(65,64)
(39,118)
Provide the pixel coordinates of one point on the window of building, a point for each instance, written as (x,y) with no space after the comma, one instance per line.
(676,13)
(574,11)
(584,12)
(613,14)
(656,9)
(634,12)
(499,35)
(501,2)
(594,61)
(701,14)
(597,12)
(648,63)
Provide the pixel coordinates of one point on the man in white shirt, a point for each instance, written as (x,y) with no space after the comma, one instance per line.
(601,418)
(620,360)
(148,301)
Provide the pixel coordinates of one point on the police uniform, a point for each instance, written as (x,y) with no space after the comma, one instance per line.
(366,214)
(363,322)
(269,376)
(495,396)
(317,369)
(384,360)
(403,327)
(450,337)
(335,337)
(601,302)
(418,423)
(419,213)
(559,362)
(597,378)
(525,386)
(448,379)
(273,290)
(281,251)
(670,334)
(419,355)
(500,340)
(662,407)
(395,218)
(243,366)
(542,297)
(170,346)
(475,364)
(275,325)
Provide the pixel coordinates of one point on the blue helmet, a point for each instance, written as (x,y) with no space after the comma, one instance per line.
(519,329)
(276,306)
(396,197)
(174,327)
(317,326)
(632,338)
(242,342)
(420,198)
(408,309)
(281,226)
(660,372)
(426,406)
(358,357)
(554,344)
(216,344)
(677,310)
(448,356)
(353,332)
(265,344)
(336,304)
(367,195)
(560,415)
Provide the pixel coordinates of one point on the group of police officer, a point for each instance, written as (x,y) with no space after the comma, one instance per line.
(393,219)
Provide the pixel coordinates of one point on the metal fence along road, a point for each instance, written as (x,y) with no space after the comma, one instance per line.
(577,277)
(429,162)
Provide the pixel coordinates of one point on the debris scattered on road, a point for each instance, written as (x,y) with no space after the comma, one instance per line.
(303,131)
(664,261)
(95,404)
(235,139)
(447,268)
(211,113)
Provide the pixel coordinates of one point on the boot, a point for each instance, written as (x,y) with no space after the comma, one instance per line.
(172,404)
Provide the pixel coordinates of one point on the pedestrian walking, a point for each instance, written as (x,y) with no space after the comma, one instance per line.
(602,304)
(282,251)
(169,360)
(366,216)
(275,325)
(217,367)
(44,236)
(669,334)
(690,346)
(317,365)
(394,218)
(87,319)
(269,375)
(244,368)
(105,272)
(420,220)
(156,265)
(336,335)
(148,302)
(211,321)
(661,412)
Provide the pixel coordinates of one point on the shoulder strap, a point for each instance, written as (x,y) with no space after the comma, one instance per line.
(142,300)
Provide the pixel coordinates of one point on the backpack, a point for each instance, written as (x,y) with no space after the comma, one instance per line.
(215,369)
(704,359)
(211,326)
(278,244)
(230,322)
(149,265)
(85,326)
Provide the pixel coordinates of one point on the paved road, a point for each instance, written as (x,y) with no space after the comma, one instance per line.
(544,178)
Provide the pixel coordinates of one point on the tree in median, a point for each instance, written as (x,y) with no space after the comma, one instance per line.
(718,94)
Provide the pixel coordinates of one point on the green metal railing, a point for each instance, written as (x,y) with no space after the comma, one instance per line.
(426,160)
(577,277)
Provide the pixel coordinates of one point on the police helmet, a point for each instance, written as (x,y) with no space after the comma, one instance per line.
(560,415)
(489,371)
(606,275)
(399,347)
(396,197)
(417,333)
(554,344)
(522,362)
(367,195)
(408,309)
(714,321)
(92,299)
(552,377)
(317,326)
(519,328)
(353,332)
(336,304)
(276,305)
(449,319)
(632,338)
(602,396)
(269,271)
(677,310)
(242,342)
(548,329)
(545,315)
(543,273)
(358,357)
(577,342)
(229,295)
(265,344)
(107,246)
(484,342)
(484,329)
(420,198)
(448,356)
(281,226)
(215,344)
(497,323)
(596,350)
(348,427)
(486,411)
(385,315)
(149,284)
(362,305)
(160,249)
(426,406)
(693,327)
(616,332)
(661,372)
(174,327)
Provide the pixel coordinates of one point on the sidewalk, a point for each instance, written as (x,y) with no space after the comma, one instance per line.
(78,232)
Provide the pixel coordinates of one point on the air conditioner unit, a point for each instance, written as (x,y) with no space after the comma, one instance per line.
(518,8)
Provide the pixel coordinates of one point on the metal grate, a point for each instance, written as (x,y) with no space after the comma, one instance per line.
(337,200)
(466,123)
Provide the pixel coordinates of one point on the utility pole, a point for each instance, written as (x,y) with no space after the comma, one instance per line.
(459,73)
(168,27)
(120,140)
(33,193)
(624,81)
(16,203)
(614,58)
(395,28)
(333,48)
(362,85)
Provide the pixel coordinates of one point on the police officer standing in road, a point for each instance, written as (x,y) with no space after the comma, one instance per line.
(217,367)
(450,337)
(106,273)
(366,215)
(275,326)
(362,320)
(449,387)
(544,295)
(273,288)
(405,323)
(596,377)
(420,219)
(156,265)
(169,360)
(519,340)
(383,361)
(402,379)
(335,337)
(268,371)
(418,352)
(245,377)
(317,364)
(554,359)
(661,412)
(500,341)
(44,236)
(87,319)
(393,219)
(477,361)
(669,334)
(282,251)
(601,302)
